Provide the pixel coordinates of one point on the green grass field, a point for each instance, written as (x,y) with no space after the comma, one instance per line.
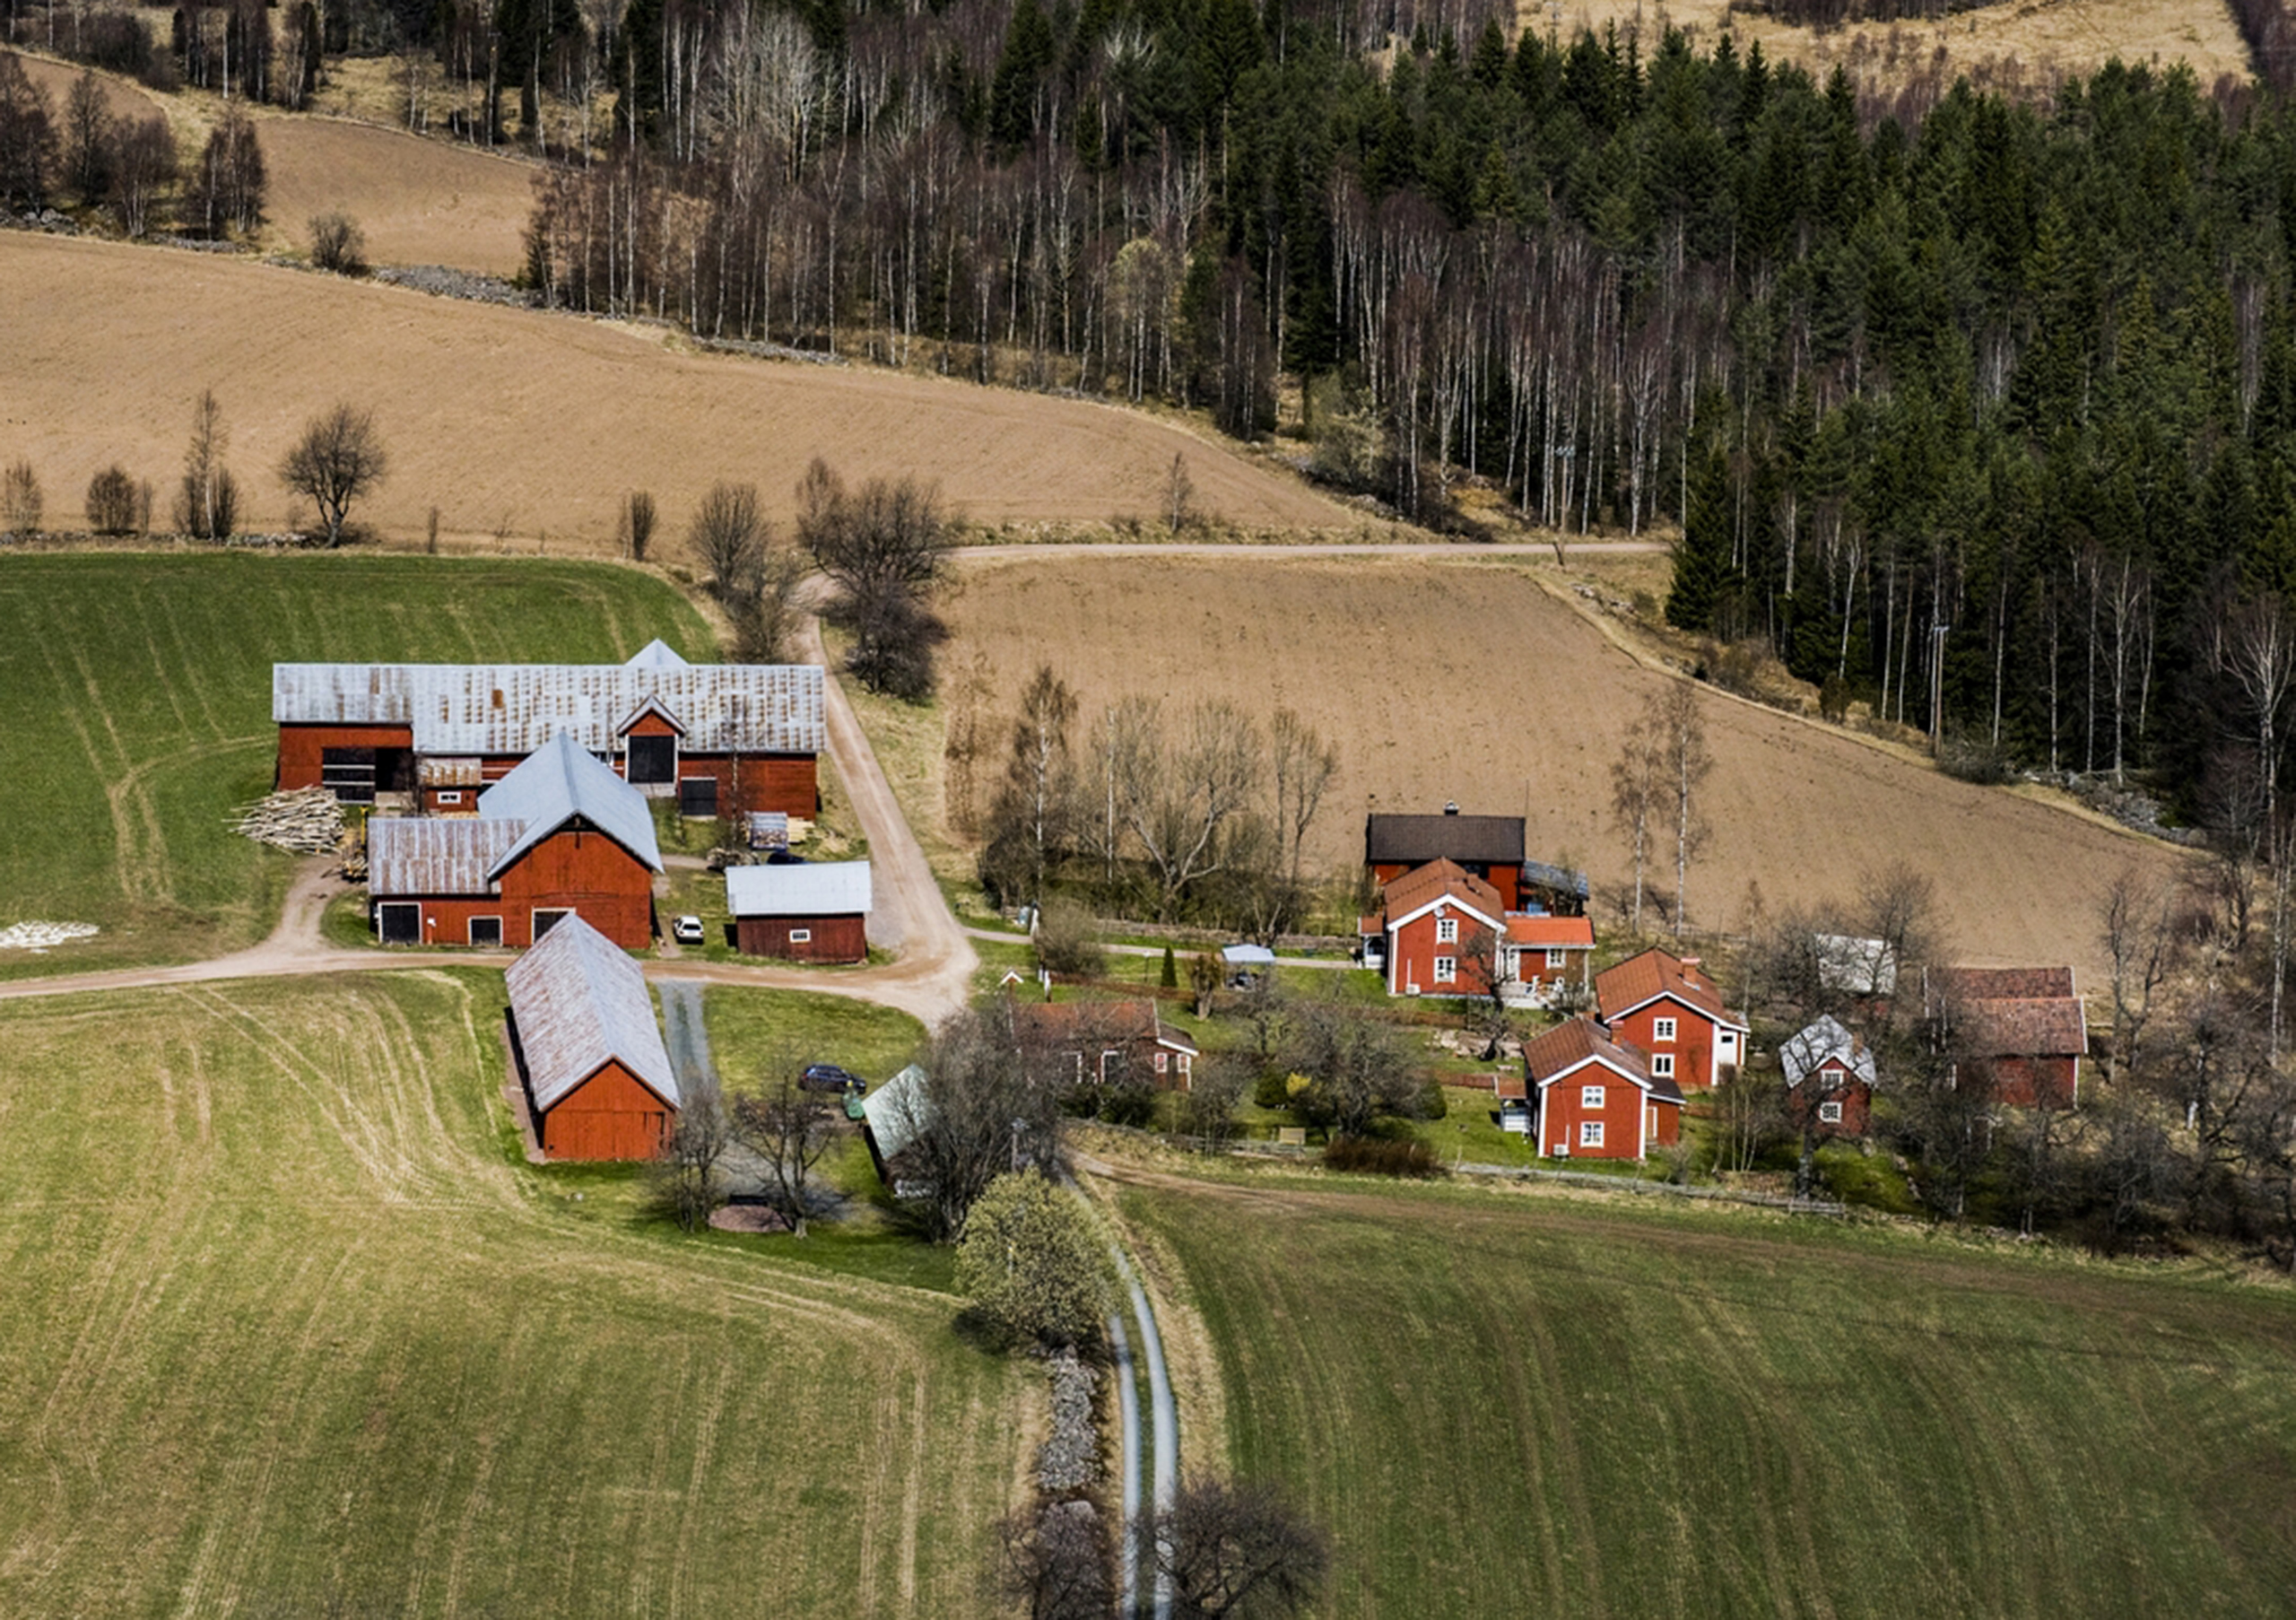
(749,1028)
(1512,1405)
(291,1330)
(138,688)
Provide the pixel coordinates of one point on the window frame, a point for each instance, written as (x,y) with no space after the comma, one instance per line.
(1557,957)
(470,932)
(801,937)
(1595,1096)
(536,927)
(1447,930)
(1664,1029)
(1662,1066)
(1447,970)
(1829,1111)
(1591,1133)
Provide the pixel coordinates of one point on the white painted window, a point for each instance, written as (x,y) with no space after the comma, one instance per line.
(1662,1029)
(1590,1096)
(801,937)
(1558,959)
(452,797)
(1447,969)
(1591,1133)
(1830,1113)
(1662,1065)
(1107,1065)
(1159,1060)
(1183,1062)
(1447,930)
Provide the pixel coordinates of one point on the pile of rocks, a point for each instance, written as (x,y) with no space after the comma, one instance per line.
(1070,1460)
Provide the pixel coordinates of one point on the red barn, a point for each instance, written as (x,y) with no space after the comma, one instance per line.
(720,739)
(2027,1024)
(1438,931)
(1594,1098)
(1829,1076)
(814,911)
(596,1075)
(1668,1007)
(560,836)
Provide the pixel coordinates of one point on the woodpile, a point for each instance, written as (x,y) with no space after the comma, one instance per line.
(306,821)
(352,848)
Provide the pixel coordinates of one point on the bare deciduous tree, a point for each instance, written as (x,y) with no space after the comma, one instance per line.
(687,1181)
(728,535)
(1178,796)
(884,546)
(228,192)
(27,136)
(1054,1563)
(112,504)
(789,1128)
(143,164)
(1685,763)
(634,526)
(1180,495)
(21,503)
(766,620)
(207,501)
(1637,785)
(1239,1549)
(339,458)
(338,245)
(989,1105)
(88,138)
(2136,929)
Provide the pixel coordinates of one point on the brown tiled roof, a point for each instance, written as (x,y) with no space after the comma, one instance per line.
(2004,984)
(1642,979)
(1550,933)
(1435,881)
(1574,1040)
(2037,1027)
(1411,840)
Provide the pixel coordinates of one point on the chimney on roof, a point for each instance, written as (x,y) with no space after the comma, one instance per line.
(1451,808)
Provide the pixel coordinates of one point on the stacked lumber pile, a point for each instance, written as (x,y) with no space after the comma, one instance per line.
(306,821)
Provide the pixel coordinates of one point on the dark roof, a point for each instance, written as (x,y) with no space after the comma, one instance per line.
(1413,841)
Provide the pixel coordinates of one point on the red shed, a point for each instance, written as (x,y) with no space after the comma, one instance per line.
(1829,1076)
(806,911)
(1594,1098)
(1667,1006)
(590,1055)
(560,835)
(2028,1024)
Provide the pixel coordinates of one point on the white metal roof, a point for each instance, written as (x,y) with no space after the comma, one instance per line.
(581,1000)
(835,888)
(657,654)
(898,1111)
(506,709)
(561,780)
(1808,1050)
(426,855)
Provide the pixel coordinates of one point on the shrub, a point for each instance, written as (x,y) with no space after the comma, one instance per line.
(112,501)
(338,245)
(1067,941)
(1433,1103)
(1273,1091)
(1378,1156)
(1968,759)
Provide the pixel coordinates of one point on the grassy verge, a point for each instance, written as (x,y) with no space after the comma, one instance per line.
(137,690)
(1554,1407)
(292,1331)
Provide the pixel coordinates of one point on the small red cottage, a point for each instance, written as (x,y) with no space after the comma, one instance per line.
(1112,1042)
(1830,1077)
(2027,1024)
(1438,932)
(811,911)
(560,835)
(1549,957)
(1594,1098)
(719,737)
(590,1057)
(1667,1006)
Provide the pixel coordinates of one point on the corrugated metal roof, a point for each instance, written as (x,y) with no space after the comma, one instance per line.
(449,770)
(555,784)
(425,856)
(835,888)
(1824,1040)
(581,1000)
(898,1111)
(657,654)
(499,709)
(1561,880)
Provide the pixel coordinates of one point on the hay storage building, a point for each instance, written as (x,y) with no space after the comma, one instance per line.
(596,1074)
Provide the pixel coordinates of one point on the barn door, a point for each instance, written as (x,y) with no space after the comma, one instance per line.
(399,922)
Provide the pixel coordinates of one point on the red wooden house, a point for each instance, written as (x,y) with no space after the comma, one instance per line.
(560,836)
(1594,1098)
(719,738)
(2026,1025)
(814,911)
(1830,1077)
(1439,931)
(1667,1006)
(1489,848)
(1549,957)
(598,1078)
(1111,1042)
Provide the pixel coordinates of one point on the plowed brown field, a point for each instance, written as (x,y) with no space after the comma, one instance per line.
(1467,681)
(531,424)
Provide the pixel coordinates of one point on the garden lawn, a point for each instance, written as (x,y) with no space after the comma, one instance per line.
(292,1328)
(135,691)
(1529,1404)
(749,1028)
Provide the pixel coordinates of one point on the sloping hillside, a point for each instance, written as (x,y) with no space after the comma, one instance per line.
(526,425)
(1466,681)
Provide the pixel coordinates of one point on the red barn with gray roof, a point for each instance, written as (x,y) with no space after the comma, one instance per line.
(590,1055)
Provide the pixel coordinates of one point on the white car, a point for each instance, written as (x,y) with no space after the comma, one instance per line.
(687,929)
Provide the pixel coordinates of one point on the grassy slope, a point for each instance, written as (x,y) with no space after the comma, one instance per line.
(1512,1405)
(137,690)
(291,1330)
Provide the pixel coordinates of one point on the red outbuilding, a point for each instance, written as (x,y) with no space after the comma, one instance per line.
(560,836)
(1439,931)
(1489,848)
(1594,1098)
(720,739)
(804,912)
(1667,1005)
(1830,1078)
(2027,1025)
(1109,1042)
(598,1078)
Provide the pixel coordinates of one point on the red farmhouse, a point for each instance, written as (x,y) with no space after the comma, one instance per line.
(1594,1098)
(590,1055)
(1671,1009)
(816,911)
(1110,1041)
(1489,848)
(1829,1076)
(2028,1024)
(562,835)
(722,737)
(1438,931)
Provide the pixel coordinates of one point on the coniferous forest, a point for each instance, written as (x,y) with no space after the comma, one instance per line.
(1977,406)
